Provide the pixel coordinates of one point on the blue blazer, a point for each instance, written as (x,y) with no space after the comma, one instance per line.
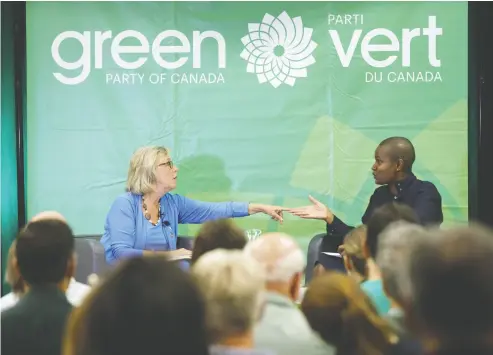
(125,229)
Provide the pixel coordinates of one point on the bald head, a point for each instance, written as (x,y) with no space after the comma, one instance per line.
(49,215)
(279,254)
(400,148)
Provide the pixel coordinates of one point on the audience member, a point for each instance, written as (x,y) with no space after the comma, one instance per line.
(232,285)
(352,253)
(218,234)
(147,305)
(343,315)
(75,293)
(452,292)
(394,245)
(283,327)
(44,257)
(381,219)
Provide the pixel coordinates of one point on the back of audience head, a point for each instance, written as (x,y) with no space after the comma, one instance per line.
(394,246)
(218,234)
(338,309)
(381,218)
(44,253)
(145,306)
(282,260)
(451,275)
(352,253)
(232,284)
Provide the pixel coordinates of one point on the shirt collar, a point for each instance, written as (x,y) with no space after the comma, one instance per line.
(278,299)
(405,183)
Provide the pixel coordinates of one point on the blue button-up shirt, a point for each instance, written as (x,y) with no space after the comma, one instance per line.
(422,196)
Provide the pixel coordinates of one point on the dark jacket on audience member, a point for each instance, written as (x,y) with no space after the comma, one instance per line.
(35,325)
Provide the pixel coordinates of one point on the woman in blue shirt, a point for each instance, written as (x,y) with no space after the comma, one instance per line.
(145,219)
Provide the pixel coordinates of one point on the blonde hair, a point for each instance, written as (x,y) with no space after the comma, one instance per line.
(353,249)
(142,169)
(339,310)
(232,284)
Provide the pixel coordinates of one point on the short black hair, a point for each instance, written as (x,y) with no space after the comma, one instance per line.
(145,300)
(221,233)
(401,148)
(382,217)
(43,250)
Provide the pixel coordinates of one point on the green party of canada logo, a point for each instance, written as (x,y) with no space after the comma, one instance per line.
(279,49)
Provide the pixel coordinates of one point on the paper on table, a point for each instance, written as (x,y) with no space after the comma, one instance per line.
(180,257)
(337,255)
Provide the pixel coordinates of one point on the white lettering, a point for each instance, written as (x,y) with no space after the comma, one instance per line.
(368,49)
(84,61)
(157,49)
(197,78)
(118,49)
(432,32)
(99,38)
(221,47)
(414,77)
(407,36)
(345,57)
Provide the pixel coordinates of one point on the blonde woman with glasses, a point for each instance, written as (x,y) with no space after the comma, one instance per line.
(145,219)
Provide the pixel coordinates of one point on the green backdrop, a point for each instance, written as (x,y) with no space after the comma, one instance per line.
(305,121)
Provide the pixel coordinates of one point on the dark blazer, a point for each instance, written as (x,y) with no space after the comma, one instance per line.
(36,324)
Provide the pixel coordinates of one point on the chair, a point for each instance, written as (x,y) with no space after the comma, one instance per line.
(184,242)
(91,255)
(312,256)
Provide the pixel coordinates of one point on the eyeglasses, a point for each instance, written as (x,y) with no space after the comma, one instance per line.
(169,163)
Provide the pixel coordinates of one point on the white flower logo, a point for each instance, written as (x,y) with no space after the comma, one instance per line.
(279,49)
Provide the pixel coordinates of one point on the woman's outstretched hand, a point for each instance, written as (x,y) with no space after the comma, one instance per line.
(274,211)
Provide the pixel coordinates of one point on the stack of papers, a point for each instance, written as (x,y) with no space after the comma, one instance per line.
(337,255)
(180,257)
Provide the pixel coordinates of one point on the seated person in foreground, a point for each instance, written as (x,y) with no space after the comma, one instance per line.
(395,244)
(232,284)
(344,316)
(46,260)
(451,303)
(218,234)
(75,293)
(382,218)
(353,255)
(134,311)
(394,158)
(145,219)
(283,327)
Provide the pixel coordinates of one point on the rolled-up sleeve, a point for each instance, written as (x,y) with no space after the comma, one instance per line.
(120,227)
(193,212)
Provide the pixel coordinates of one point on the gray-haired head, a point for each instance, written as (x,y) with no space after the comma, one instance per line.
(394,246)
(451,275)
